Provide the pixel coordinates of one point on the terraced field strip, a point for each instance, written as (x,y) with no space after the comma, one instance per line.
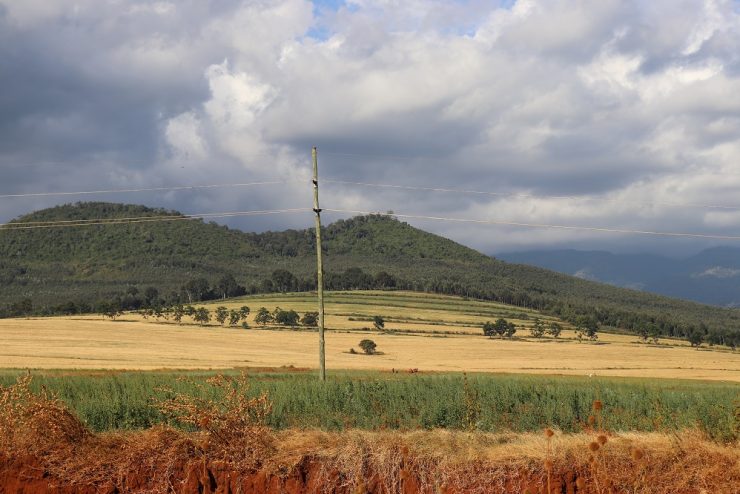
(408,311)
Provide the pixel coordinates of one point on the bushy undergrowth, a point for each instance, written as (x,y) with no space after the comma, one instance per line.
(377,401)
(231,449)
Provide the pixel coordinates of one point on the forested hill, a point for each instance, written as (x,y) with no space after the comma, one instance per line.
(87,264)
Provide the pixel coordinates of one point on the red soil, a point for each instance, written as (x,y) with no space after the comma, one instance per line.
(27,475)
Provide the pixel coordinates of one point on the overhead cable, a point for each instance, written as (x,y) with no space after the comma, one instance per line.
(147,189)
(530,196)
(541,225)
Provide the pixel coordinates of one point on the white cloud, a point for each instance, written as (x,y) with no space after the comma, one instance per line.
(183,134)
(630,106)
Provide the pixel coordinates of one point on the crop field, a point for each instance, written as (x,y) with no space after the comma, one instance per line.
(284,432)
(381,400)
(147,404)
(424,332)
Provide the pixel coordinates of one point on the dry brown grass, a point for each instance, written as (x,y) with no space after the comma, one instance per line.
(353,461)
(65,343)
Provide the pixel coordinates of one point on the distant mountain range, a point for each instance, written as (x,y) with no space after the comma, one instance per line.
(711,277)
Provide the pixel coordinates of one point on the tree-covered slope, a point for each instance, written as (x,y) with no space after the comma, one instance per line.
(54,265)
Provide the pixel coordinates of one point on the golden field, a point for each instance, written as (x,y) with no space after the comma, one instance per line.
(442,336)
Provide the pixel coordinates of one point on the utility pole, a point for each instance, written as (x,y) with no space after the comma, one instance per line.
(319,263)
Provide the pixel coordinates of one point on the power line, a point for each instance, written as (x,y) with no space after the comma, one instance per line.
(142,219)
(147,189)
(531,196)
(542,225)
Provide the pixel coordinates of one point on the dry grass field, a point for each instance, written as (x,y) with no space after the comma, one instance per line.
(438,342)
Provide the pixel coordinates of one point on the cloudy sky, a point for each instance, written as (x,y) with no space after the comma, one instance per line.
(631,109)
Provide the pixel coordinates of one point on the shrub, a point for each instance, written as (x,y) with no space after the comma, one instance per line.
(378,323)
(310,319)
(368,346)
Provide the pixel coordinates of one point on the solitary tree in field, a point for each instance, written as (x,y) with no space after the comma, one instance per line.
(202,316)
(378,323)
(221,314)
(538,330)
(555,329)
(368,346)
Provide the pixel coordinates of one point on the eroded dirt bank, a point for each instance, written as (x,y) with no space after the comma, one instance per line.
(382,463)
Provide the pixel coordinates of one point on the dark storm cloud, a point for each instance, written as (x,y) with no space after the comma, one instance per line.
(619,103)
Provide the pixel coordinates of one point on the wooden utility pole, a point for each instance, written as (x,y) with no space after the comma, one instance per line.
(319,263)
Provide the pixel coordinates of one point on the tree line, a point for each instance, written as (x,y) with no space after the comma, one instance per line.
(200,289)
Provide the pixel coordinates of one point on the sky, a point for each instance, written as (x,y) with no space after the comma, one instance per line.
(611,114)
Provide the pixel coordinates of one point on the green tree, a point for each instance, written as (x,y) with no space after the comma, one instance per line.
(111,310)
(643,332)
(310,319)
(228,287)
(202,316)
(197,290)
(263,316)
(489,329)
(555,329)
(538,329)
(151,296)
(244,312)
(234,317)
(222,313)
(510,330)
(368,346)
(283,280)
(501,326)
(378,323)
(654,333)
(286,317)
(177,312)
(695,337)
(587,327)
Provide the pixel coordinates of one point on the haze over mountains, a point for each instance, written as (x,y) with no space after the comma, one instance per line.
(712,276)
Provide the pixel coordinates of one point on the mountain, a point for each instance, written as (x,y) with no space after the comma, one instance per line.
(51,266)
(712,276)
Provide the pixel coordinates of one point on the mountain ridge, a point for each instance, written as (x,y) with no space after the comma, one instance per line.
(94,262)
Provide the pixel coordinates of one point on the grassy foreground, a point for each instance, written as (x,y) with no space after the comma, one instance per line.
(45,448)
(376,401)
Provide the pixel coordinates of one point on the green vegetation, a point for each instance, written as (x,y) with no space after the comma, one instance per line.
(73,270)
(409,401)
(368,346)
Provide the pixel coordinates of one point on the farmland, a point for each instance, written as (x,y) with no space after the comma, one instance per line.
(429,333)
(439,408)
